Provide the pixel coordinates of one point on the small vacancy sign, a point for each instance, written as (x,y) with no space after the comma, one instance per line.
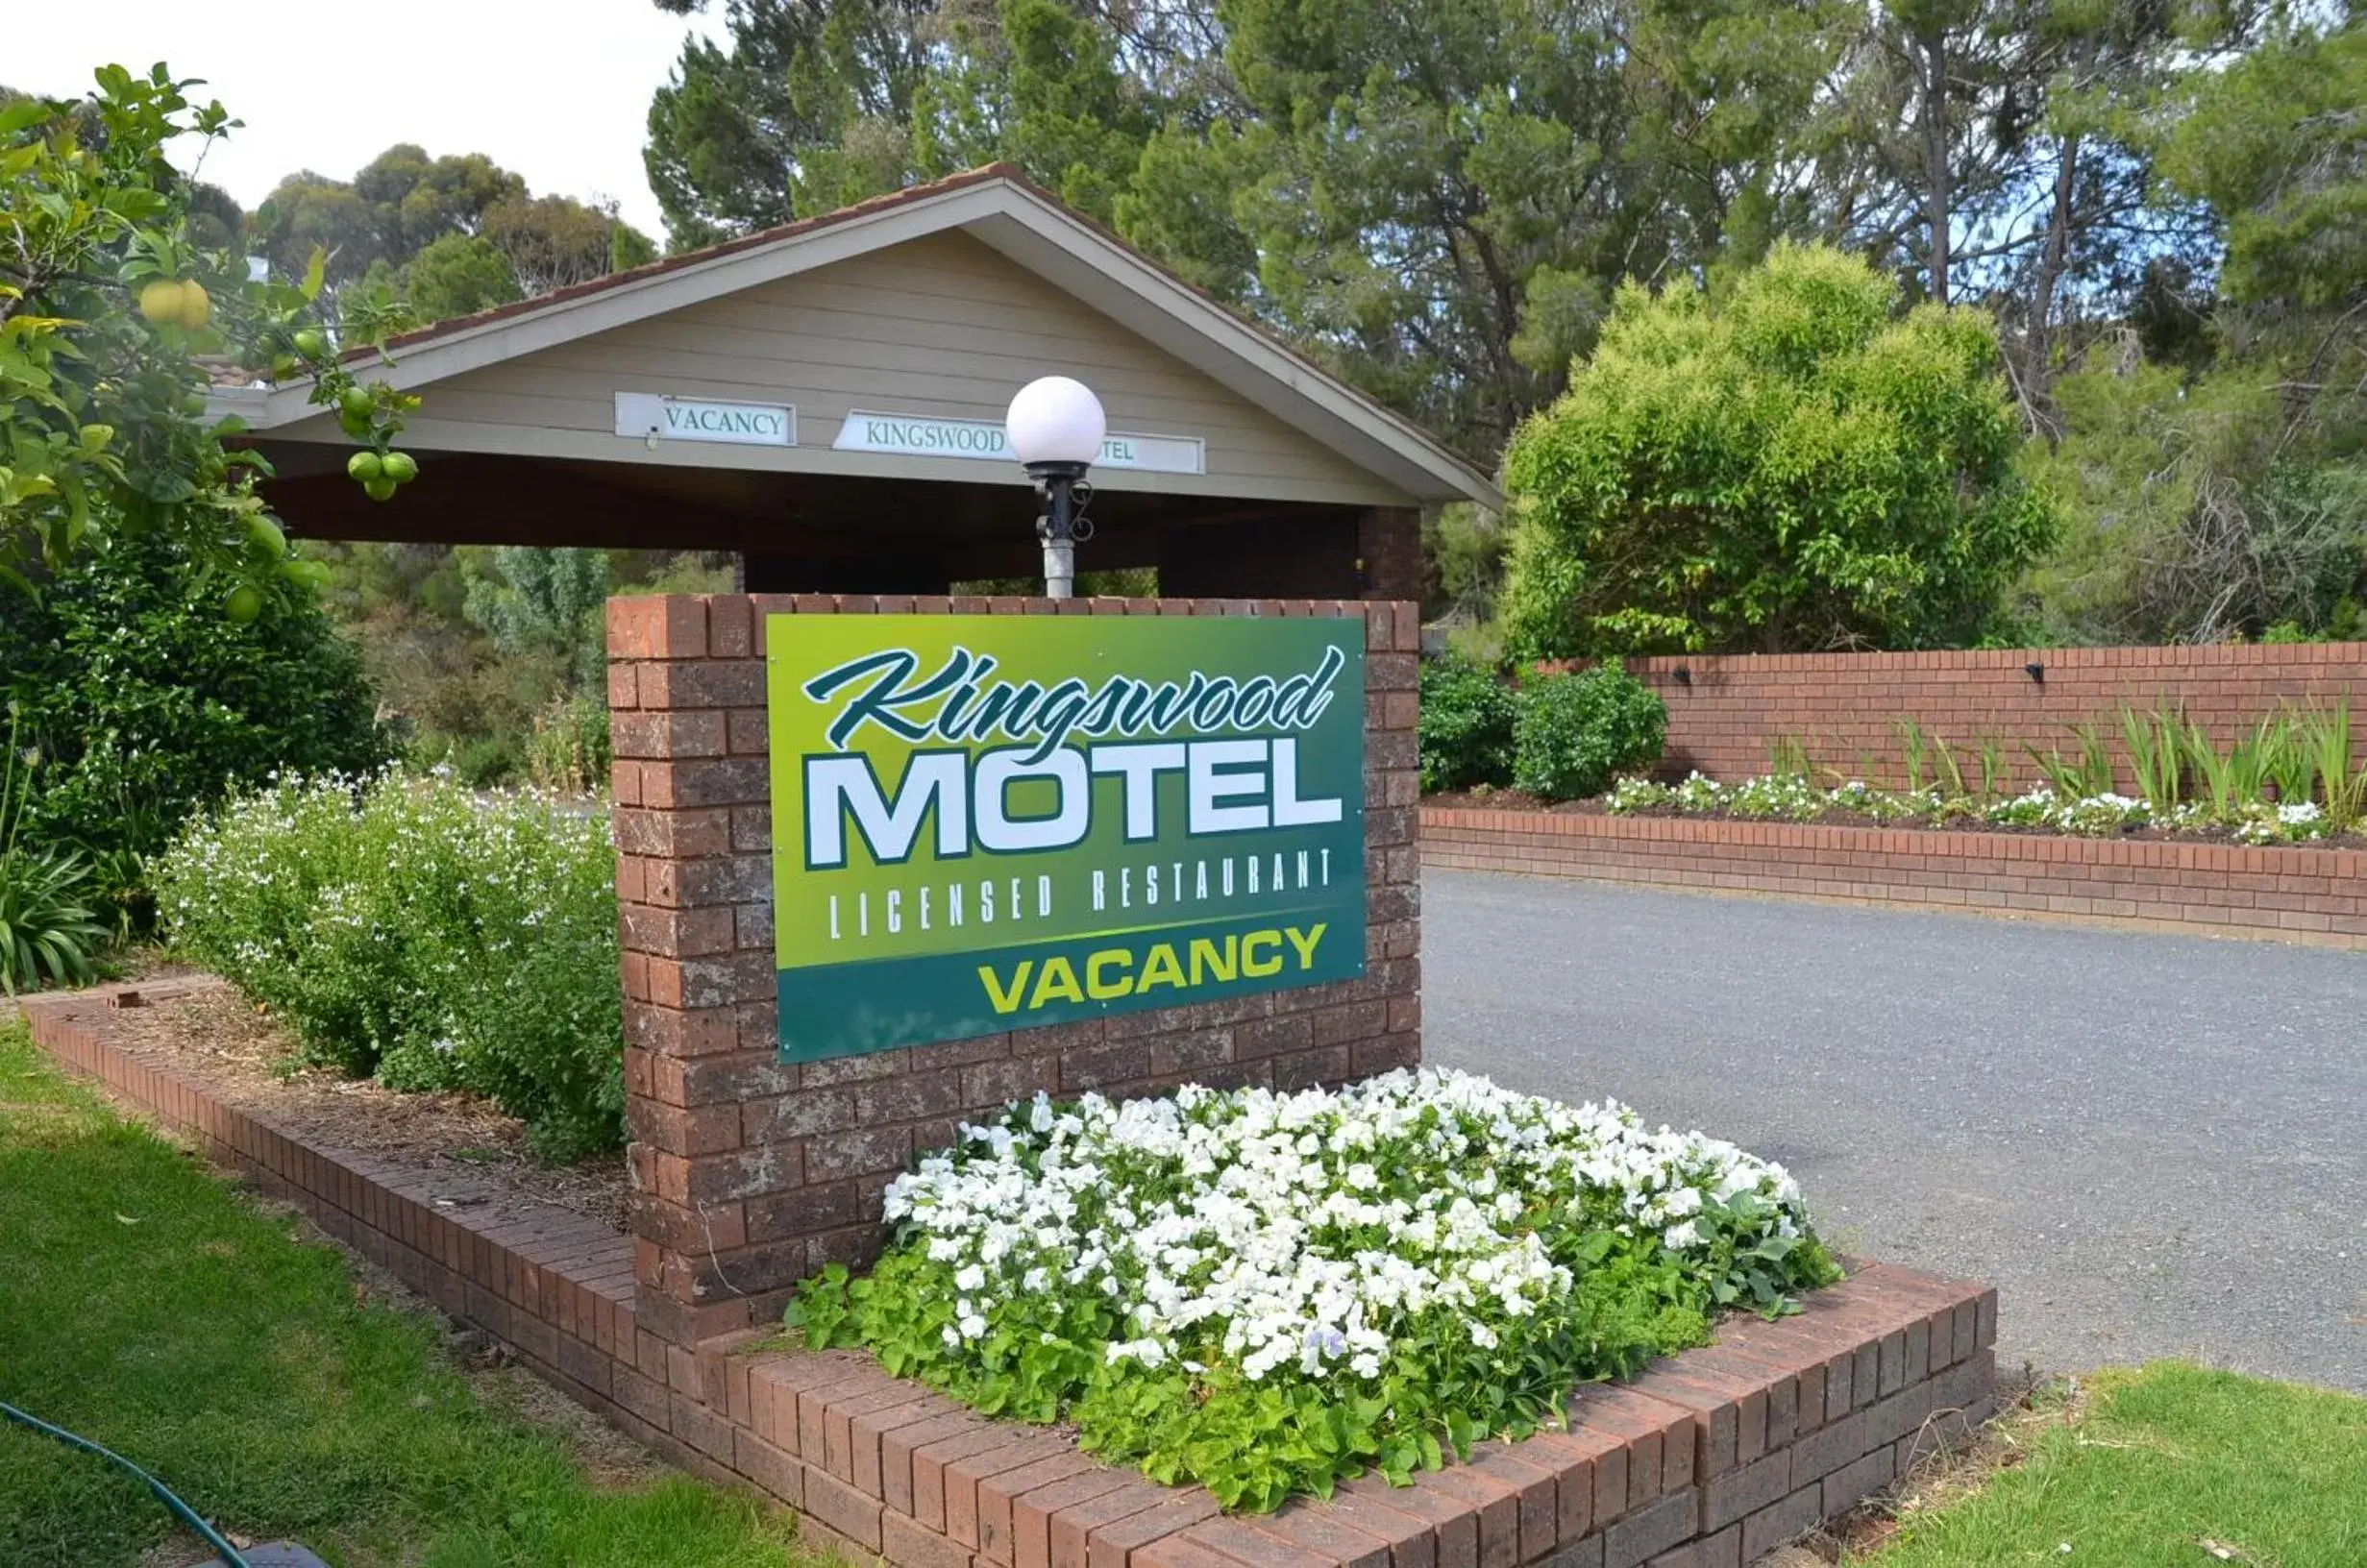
(645,414)
(927,435)
(991,822)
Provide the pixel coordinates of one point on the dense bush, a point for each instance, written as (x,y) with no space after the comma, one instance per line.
(1467,725)
(1573,732)
(1782,462)
(142,702)
(410,927)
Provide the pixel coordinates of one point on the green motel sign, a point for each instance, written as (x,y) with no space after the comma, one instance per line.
(991,822)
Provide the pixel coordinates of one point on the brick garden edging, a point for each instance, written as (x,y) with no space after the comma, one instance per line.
(1708,1459)
(2311,895)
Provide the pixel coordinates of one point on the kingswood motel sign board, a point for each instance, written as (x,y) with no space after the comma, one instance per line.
(989,822)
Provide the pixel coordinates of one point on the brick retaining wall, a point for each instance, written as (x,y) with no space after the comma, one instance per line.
(1844,706)
(2293,894)
(1709,1459)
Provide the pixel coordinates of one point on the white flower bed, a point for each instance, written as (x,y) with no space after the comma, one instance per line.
(1217,1221)
(1795,799)
(1431,1252)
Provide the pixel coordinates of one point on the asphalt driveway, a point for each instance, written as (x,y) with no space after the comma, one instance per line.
(2156,1145)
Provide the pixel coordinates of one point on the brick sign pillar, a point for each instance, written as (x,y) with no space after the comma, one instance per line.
(750,1174)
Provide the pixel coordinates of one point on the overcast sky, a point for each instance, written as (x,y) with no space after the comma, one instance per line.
(556,89)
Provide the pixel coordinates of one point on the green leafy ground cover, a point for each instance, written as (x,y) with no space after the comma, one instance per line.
(147,1306)
(2175,1466)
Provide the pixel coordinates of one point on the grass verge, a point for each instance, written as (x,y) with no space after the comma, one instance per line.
(148,1306)
(2173,1466)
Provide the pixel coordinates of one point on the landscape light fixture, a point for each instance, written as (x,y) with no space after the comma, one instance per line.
(1056,428)
(2035,671)
(1685,675)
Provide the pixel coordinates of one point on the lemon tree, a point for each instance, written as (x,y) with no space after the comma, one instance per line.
(110,317)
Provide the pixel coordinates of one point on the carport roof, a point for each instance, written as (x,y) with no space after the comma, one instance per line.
(999,208)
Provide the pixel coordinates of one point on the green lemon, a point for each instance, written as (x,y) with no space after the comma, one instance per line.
(380,488)
(357,402)
(310,343)
(243,603)
(161,302)
(400,467)
(266,534)
(363,466)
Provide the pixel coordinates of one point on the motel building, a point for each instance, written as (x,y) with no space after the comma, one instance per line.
(825,401)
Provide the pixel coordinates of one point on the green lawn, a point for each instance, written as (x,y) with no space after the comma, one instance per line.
(144,1304)
(2175,1466)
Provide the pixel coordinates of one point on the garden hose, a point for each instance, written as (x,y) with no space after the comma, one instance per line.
(231,1555)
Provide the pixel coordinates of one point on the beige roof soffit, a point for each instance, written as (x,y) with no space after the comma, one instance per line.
(1115,281)
(472,348)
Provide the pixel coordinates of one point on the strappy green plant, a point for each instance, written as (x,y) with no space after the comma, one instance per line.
(1914,752)
(1946,772)
(48,928)
(2288,764)
(2157,755)
(2077,778)
(2324,737)
(1990,752)
(2228,782)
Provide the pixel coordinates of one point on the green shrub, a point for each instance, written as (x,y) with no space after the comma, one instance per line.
(413,928)
(1466,726)
(1574,732)
(1783,460)
(568,750)
(146,701)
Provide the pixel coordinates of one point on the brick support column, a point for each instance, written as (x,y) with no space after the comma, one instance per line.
(1389,541)
(748,1174)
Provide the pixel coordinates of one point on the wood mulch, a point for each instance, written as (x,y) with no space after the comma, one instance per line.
(472,1153)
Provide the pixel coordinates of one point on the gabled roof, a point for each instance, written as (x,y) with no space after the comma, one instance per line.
(999,208)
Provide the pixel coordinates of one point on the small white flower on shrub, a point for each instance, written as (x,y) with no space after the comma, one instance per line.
(436,936)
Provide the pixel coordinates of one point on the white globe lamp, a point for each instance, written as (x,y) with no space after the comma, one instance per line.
(1055,427)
